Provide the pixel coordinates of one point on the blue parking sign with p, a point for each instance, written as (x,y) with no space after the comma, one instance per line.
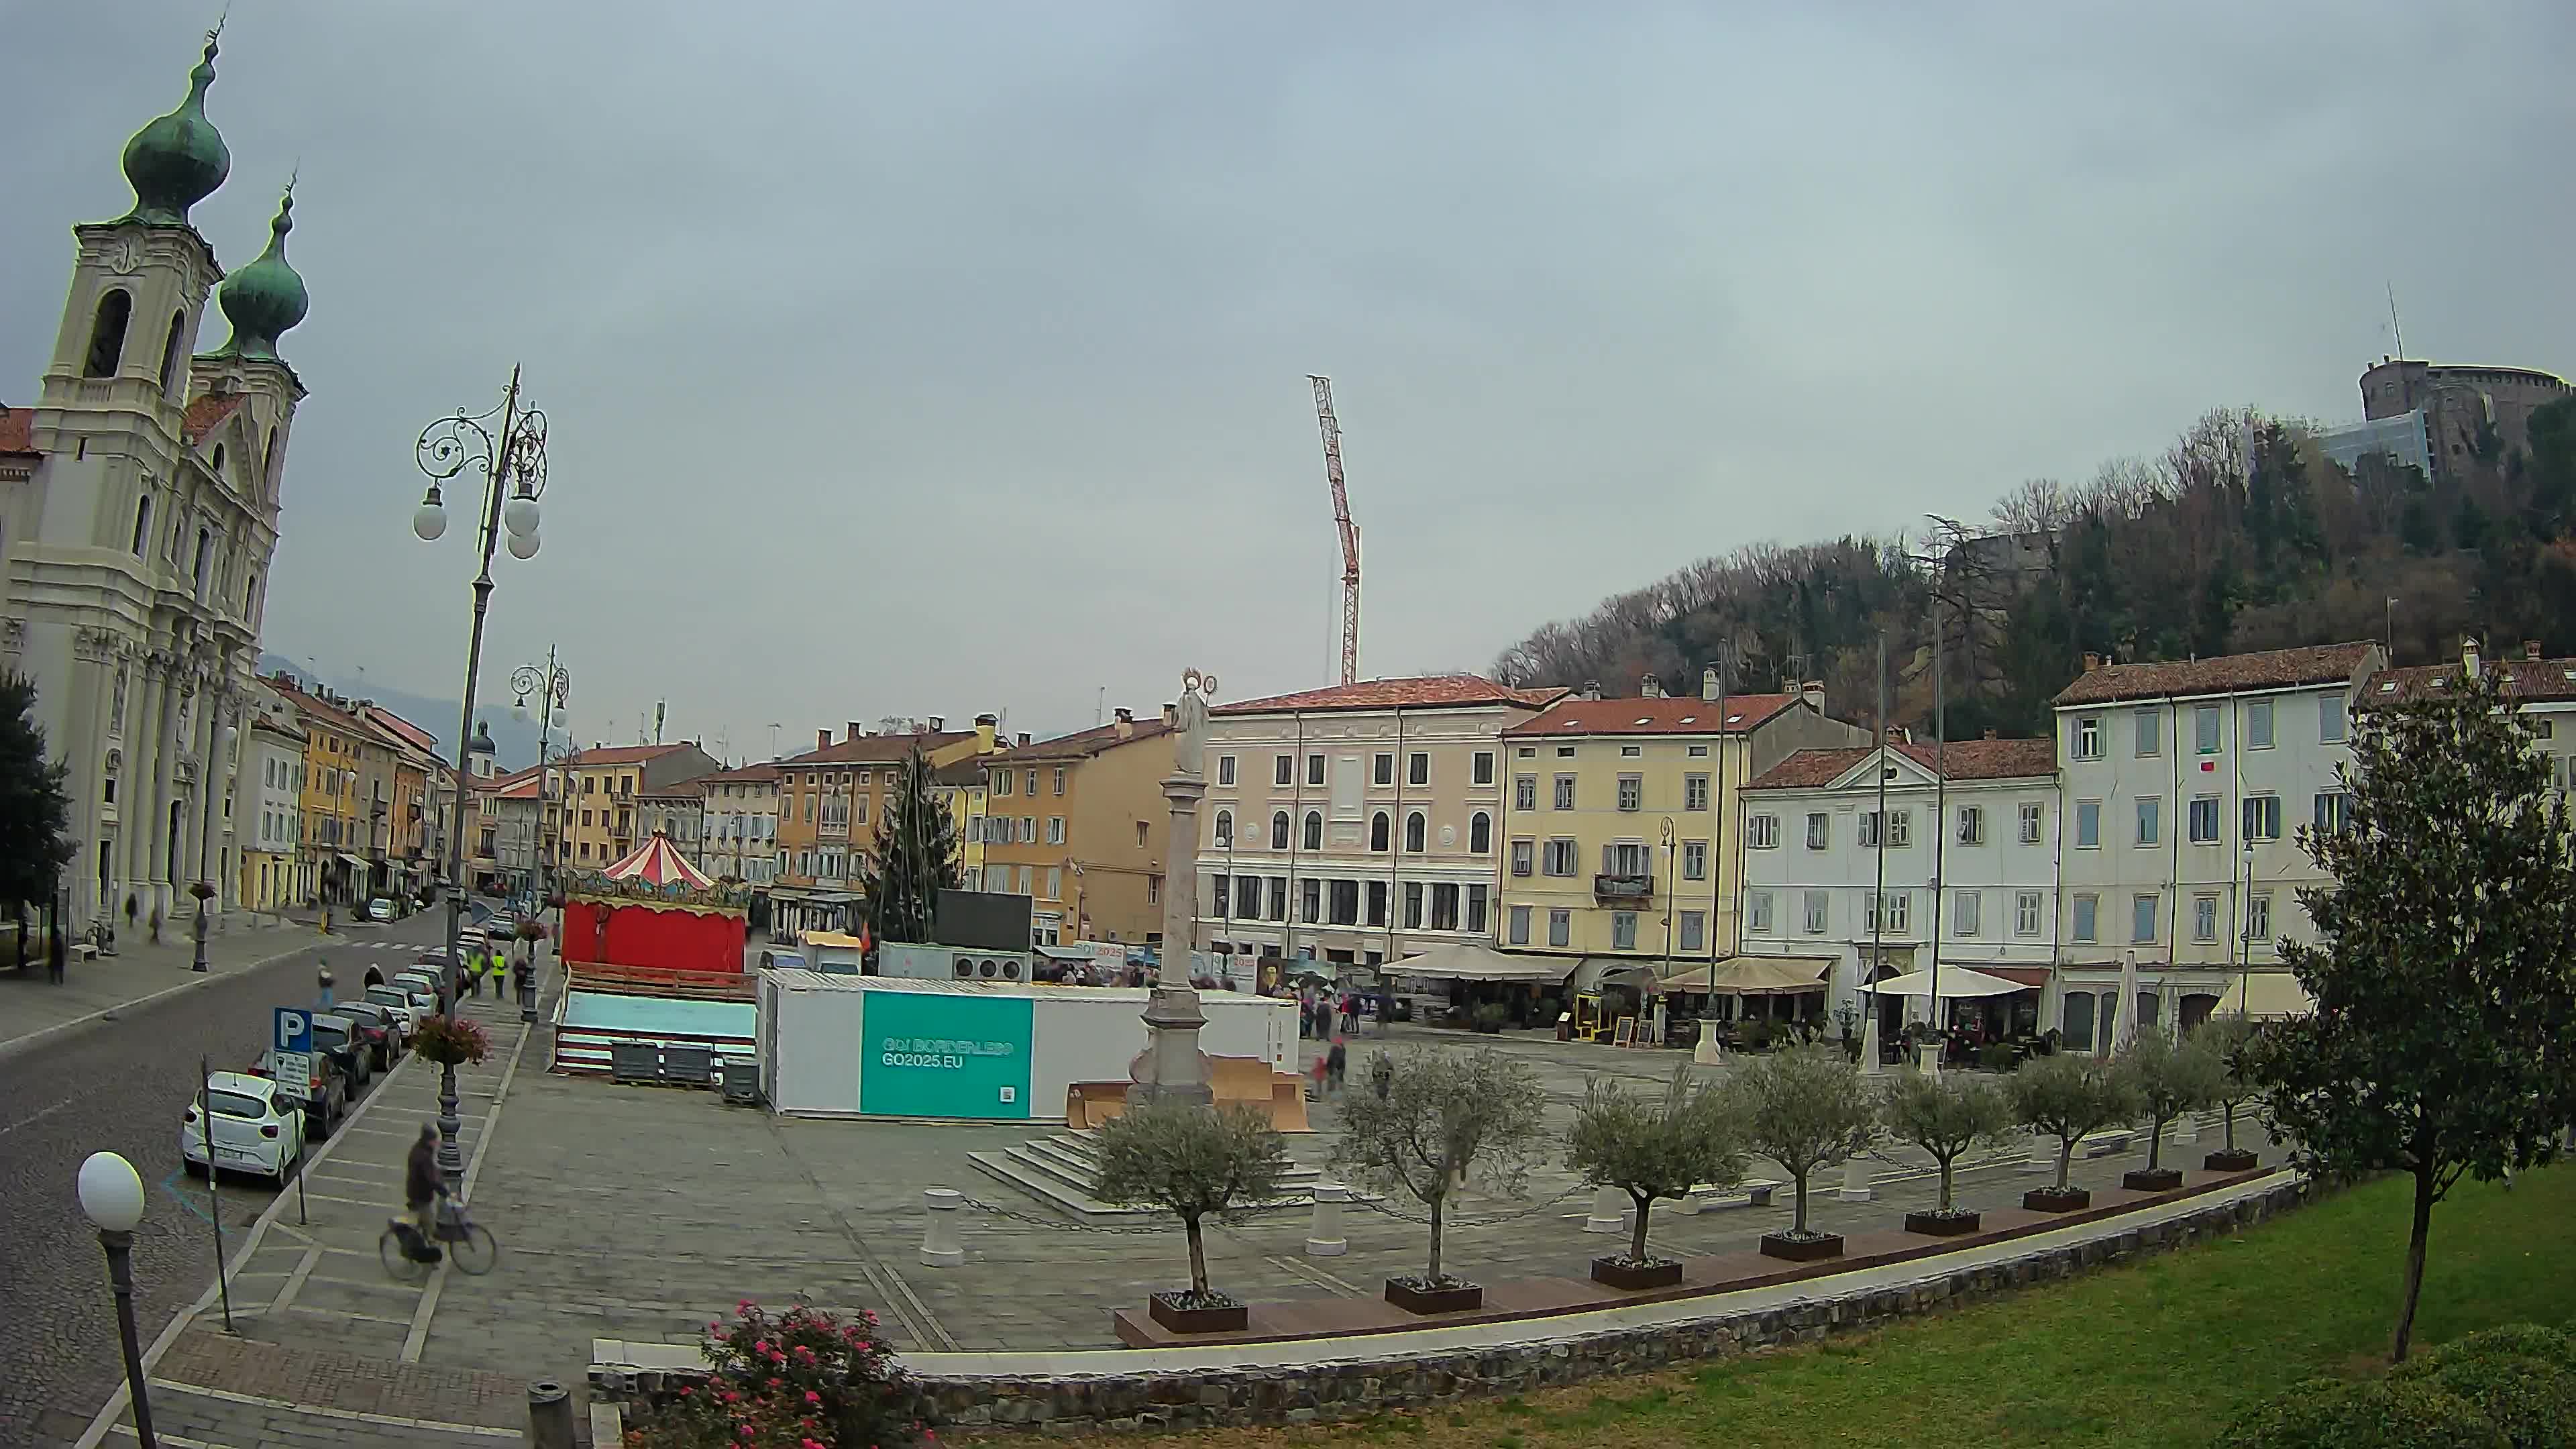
(294,1030)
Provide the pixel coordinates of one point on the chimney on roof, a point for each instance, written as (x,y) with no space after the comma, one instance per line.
(1171,714)
(1708,684)
(1990,734)
(2469,656)
(822,739)
(1592,689)
(1125,723)
(1023,738)
(1813,692)
(939,724)
(855,731)
(1649,687)
(2092,661)
(2530,648)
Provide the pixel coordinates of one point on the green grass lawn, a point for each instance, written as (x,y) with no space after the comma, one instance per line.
(2159,1353)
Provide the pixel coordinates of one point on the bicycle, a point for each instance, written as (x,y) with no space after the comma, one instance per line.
(469,1244)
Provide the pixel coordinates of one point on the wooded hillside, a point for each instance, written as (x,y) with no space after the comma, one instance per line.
(2192,552)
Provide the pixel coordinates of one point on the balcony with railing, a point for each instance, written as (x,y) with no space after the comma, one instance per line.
(1623,886)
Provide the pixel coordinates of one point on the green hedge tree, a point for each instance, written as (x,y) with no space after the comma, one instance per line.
(35,814)
(1192,1162)
(1654,1148)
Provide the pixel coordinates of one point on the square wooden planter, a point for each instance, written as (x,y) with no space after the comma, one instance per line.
(1619,1273)
(1453,1298)
(1224,1318)
(2050,1200)
(1942,1225)
(1802,1250)
(2152,1179)
(2224,1160)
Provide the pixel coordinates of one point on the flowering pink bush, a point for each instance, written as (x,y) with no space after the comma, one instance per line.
(802,1379)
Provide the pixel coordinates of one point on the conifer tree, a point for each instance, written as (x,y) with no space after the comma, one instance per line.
(916,856)
(35,814)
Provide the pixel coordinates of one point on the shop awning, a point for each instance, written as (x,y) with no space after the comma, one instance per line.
(354,862)
(2028,976)
(1470,962)
(1956,981)
(1756,976)
(2265,993)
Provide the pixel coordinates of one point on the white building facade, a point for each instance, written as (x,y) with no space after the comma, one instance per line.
(1290,861)
(1964,867)
(2184,785)
(138,514)
(268,804)
(741,825)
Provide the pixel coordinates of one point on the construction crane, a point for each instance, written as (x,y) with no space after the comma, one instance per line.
(1341,518)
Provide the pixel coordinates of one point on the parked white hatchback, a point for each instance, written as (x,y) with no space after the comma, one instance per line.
(256,1131)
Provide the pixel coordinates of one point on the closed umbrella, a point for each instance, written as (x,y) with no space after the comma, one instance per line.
(2124,1022)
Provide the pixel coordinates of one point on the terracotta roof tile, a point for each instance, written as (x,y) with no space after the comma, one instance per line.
(963,774)
(1425,692)
(17,430)
(877,749)
(2227,674)
(1668,716)
(1959,760)
(620,755)
(760,774)
(1082,744)
(2533,679)
(208,412)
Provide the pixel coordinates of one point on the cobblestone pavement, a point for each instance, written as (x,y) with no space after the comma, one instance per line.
(120,1086)
(321,1332)
(640,1213)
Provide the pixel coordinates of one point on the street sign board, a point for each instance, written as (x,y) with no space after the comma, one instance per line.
(291,1052)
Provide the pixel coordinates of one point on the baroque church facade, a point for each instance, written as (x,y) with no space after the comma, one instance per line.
(139,502)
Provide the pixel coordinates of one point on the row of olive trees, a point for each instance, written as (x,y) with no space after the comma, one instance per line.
(1425,1124)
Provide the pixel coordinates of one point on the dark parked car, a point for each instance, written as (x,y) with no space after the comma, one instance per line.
(381,1028)
(325,1098)
(338,1036)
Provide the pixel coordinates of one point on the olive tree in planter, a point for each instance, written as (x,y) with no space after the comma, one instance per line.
(1807,1109)
(1422,1124)
(2230,1038)
(1192,1161)
(1947,1116)
(2068,1096)
(1651,1149)
(2168,1079)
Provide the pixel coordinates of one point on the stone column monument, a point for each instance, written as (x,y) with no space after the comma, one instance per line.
(1171,1069)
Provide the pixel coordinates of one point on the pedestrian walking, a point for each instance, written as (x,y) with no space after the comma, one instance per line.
(326,983)
(57,951)
(375,975)
(1337,1062)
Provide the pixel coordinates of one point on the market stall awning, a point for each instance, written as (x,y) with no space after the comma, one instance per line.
(656,863)
(1468,961)
(2265,993)
(1956,981)
(1756,976)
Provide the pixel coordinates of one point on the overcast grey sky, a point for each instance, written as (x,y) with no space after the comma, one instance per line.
(935,359)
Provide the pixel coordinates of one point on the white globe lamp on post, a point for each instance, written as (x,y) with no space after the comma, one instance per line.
(111,1197)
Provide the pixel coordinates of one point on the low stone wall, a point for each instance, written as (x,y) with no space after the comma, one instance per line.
(1350,1387)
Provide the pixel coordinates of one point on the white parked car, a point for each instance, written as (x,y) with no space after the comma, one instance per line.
(255,1130)
(400,1001)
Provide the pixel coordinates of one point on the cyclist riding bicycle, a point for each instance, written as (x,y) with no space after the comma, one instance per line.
(423,1186)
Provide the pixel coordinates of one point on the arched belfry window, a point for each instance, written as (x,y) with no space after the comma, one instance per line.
(170,352)
(107,334)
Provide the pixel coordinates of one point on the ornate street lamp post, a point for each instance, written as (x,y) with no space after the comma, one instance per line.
(219,748)
(554,688)
(513,464)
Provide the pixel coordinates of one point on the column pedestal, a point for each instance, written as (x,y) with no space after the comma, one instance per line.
(1171,1068)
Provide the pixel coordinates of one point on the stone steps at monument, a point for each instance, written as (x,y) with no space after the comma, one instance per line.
(1061,1171)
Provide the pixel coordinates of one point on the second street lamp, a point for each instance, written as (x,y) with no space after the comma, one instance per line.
(513,464)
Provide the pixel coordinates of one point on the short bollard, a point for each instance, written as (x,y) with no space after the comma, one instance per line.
(549,1415)
(941,1247)
(2186,1128)
(2041,1155)
(1609,1211)
(1324,1239)
(1856,1175)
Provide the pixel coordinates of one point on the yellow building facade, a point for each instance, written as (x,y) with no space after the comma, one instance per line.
(1619,820)
(832,800)
(1079,825)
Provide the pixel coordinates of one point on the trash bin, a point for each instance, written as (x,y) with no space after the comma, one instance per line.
(742,1083)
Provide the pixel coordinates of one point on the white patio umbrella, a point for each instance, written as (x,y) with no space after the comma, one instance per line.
(1956,982)
(2124,1025)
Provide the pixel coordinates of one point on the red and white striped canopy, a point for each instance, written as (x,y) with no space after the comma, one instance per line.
(656,864)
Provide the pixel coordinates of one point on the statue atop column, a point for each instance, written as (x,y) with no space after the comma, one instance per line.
(1190,728)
